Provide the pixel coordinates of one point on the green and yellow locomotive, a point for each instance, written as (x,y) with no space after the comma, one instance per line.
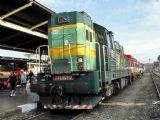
(86,64)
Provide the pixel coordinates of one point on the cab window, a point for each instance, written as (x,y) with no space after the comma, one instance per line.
(111,41)
(90,37)
(87,35)
(100,38)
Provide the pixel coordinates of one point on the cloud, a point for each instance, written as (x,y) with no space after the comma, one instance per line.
(141,34)
(52,4)
(71,5)
(48,2)
(153,17)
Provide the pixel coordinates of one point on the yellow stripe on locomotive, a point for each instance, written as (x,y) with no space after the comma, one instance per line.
(76,50)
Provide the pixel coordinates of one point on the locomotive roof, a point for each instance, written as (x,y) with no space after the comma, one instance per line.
(102,28)
(74,12)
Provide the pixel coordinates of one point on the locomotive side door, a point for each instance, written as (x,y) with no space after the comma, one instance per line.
(111,57)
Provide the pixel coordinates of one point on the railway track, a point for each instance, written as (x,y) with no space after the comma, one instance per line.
(46,115)
(156,81)
(57,115)
(38,115)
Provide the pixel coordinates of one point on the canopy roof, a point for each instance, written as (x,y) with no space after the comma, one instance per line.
(23,25)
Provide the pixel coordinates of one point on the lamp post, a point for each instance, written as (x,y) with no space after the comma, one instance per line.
(149,65)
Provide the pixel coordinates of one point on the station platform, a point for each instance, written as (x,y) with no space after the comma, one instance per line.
(8,103)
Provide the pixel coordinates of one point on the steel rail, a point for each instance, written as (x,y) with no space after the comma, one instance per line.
(155,84)
(37,116)
(78,116)
(55,116)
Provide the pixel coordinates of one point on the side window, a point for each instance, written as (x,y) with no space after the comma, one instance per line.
(100,38)
(111,41)
(108,39)
(90,37)
(87,35)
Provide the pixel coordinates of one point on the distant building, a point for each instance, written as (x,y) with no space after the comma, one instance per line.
(156,66)
(149,67)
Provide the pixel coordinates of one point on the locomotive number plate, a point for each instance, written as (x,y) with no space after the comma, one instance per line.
(65,77)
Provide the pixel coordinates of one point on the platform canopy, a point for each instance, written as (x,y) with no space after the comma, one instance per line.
(23,25)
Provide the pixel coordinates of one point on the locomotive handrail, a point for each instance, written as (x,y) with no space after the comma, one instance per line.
(38,50)
(104,59)
(37,57)
(100,66)
(89,49)
(69,51)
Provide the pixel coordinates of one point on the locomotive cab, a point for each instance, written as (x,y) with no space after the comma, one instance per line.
(71,38)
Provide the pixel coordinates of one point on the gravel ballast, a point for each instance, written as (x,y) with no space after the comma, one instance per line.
(135,102)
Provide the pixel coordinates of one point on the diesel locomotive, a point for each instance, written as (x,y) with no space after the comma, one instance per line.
(84,65)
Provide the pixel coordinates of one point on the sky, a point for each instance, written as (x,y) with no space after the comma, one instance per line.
(135,23)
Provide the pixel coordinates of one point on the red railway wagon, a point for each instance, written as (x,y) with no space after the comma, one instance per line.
(134,65)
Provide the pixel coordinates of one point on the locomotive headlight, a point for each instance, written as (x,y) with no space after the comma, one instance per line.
(80,60)
(80,63)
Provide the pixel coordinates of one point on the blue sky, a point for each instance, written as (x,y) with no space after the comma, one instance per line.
(135,23)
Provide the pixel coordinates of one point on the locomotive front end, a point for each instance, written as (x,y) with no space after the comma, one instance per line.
(70,37)
(73,81)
